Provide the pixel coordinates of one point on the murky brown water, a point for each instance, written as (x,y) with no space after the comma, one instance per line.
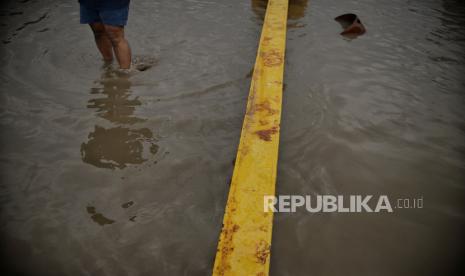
(103,174)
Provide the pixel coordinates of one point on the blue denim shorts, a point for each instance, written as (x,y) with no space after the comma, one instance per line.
(117,17)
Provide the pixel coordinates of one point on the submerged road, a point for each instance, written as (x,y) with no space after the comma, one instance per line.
(109,175)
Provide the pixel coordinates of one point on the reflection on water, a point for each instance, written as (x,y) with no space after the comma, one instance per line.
(296,8)
(259,8)
(119,146)
(113,99)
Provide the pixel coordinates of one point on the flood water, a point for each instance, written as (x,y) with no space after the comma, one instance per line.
(111,174)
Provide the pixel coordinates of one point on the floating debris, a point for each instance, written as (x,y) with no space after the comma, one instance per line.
(352,25)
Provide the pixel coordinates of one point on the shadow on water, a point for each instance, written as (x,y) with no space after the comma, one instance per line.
(296,10)
(121,145)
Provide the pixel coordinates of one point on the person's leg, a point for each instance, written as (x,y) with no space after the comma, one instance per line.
(120,45)
(91,17)
(102,40)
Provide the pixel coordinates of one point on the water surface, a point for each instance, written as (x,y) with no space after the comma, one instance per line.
(106,174)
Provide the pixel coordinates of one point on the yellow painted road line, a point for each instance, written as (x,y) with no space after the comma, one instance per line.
(245,240)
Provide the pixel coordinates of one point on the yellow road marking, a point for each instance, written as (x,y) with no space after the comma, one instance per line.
(245,240)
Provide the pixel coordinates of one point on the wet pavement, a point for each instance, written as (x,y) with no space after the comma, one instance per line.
(110,174)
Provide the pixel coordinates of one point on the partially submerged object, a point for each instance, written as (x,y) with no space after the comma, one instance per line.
(352,25)
(143,63)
